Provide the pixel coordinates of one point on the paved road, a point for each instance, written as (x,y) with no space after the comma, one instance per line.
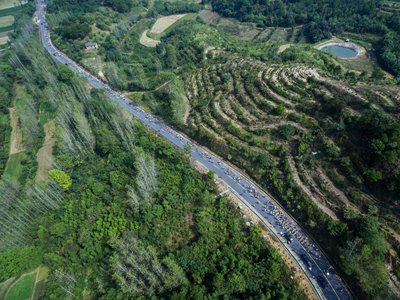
(326,283)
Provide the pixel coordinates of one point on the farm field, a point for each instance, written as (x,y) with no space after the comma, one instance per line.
(164,22)
(250,32)
(30,285)
(261,115)
(151,38)
(3,39)
(5,4)
(6,21)
(8,9)
(23,288)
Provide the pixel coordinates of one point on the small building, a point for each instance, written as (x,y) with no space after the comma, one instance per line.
(91,46)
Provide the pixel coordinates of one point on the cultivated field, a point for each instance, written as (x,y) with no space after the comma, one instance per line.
(6,21)
(146,41)
(251,110)
(164,22)
(22,289)
(29,286)
(250,32)
(4,4)
(157,29)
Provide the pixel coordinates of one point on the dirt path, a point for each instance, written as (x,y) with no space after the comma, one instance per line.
(45,154)
(16,143)
(296,273)
(6,286)
(146,41)
(284,47)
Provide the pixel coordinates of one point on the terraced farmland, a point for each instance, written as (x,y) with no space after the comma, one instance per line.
(288,118)
(8,11)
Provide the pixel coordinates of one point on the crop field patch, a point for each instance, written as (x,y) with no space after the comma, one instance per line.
(164,22)
(3,40)
(4,4)
(22,289)
(146,41)
(6,21)
(253,108)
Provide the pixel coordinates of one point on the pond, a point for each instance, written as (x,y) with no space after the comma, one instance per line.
(340,51)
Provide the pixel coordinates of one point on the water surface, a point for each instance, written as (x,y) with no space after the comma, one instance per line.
(340,51)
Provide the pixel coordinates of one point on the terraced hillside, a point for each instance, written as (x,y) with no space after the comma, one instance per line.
(291,122)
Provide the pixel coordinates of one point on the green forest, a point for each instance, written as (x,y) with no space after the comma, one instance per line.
(157,78)
(123,214)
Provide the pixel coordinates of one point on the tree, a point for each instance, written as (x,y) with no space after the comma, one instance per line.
(121,6)
(187,149)
(65,73)
(61,178)
(138,271)
(280,110)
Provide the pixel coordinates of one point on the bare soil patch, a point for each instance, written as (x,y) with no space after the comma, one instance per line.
(16,143)
(45,154)
(4,37)
(208,16)
(146,41)
(284,47)
(4,4)
(164,22)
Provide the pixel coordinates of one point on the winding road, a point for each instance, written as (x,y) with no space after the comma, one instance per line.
(325,281)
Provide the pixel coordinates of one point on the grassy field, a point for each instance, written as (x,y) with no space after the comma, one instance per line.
(8,8)
(14,166)
(9,11)
(6,21)
(4,4)
(22,288)
(30,285)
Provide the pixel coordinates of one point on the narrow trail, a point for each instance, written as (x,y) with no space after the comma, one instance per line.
(16,143)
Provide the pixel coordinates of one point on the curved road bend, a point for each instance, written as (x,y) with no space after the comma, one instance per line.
(325,281)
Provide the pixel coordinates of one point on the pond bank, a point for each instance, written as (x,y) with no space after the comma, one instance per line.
(361,52)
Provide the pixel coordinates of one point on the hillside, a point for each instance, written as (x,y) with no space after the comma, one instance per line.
(320,133)
(112,210)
